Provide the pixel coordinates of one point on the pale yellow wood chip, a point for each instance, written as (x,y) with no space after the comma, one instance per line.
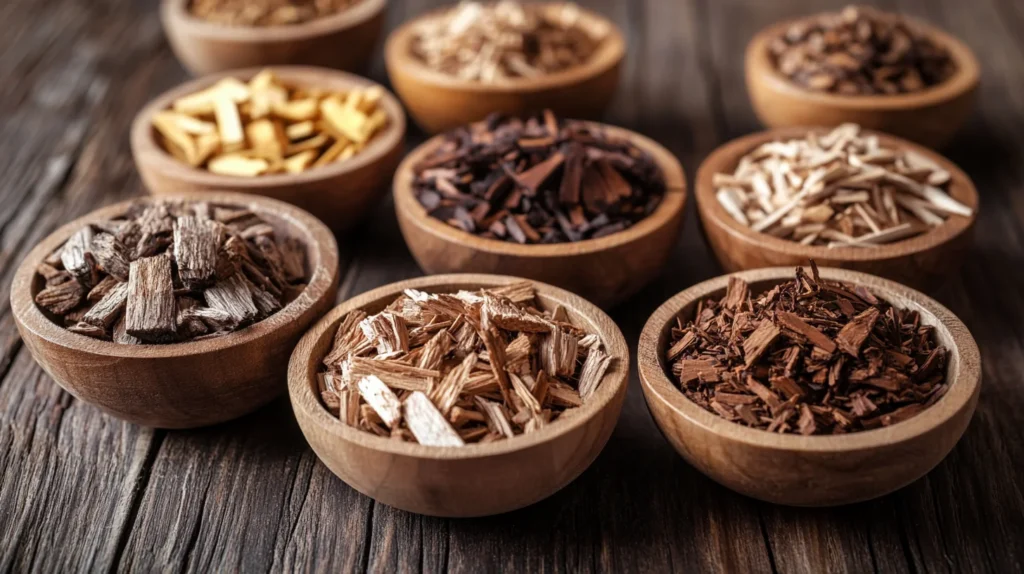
(229,125)
(238,165)
(300,161)
(300,130)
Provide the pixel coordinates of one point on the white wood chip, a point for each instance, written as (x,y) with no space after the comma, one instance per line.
(427,424)
(382,399)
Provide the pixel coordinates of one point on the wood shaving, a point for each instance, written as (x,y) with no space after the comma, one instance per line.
(840,189)
(448,369)
(497,42)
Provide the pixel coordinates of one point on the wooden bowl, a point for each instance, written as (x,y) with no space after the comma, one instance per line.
(605,271)
(477,479)
(344,41)
(811,470)
(922,262)
(929,117)
(439,102)
(340,194)
(181,385)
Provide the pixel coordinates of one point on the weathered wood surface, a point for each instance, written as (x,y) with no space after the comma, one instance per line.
(80,491)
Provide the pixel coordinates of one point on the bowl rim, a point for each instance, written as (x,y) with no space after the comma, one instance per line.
(727,156)
(671,206)
(145,148)
(965,385)
(965,77)
(309,407)
(398,56)
(318,238)
(175,13)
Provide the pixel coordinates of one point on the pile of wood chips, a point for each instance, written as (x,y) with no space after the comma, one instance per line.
(168,272)
(810,356)
(538,180)
(266,12)
(841,189)
(447,369)
(495,42)
(263,127)
(861,51)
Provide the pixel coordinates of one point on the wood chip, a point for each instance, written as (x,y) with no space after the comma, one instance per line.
(150,313)
(788,377)
(839,174)
(474,357)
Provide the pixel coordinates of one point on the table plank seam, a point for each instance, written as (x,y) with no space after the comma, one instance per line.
(138,492)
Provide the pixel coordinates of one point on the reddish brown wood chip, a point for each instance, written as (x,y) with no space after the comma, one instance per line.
(797,325)
(890,367)
(854,333)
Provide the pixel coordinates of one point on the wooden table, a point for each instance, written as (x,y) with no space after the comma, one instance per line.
(82,491)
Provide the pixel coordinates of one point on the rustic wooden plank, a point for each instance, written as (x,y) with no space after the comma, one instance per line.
(70,475)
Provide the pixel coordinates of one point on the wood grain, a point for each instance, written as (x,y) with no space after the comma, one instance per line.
(249,495)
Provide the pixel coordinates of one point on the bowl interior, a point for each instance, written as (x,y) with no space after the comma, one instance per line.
(727,157)
(286,222)
(608,54)
(965,76)
(580,313)
(672,203)
(145,137)
(962,376)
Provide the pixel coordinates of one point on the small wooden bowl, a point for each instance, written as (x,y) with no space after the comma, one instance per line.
(922,262)
(344,41)
(477,479)
(189,384)
(439,102)
(340,194)
(605,271)
(930,117)
(811,470)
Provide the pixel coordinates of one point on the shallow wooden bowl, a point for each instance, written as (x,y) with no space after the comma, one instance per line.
(344,41)
(930,117)
(605,271)
(922,262)
(340,194)
(477,479)
(439,102)
(181,385)
(811,470)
